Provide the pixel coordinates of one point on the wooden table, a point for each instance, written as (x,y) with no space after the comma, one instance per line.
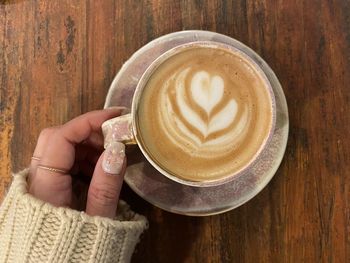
(58,58)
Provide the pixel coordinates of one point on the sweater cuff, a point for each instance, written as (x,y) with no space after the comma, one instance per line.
(35,231)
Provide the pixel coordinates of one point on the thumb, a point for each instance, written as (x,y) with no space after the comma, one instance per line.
(106,182)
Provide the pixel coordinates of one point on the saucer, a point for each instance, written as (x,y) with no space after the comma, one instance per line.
(174,197)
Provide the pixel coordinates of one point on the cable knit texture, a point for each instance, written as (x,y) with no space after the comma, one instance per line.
(34,231)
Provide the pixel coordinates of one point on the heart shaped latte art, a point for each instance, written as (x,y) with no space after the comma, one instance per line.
(207,92)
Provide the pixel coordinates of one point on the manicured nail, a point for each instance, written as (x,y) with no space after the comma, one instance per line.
(113,158)
(124,110)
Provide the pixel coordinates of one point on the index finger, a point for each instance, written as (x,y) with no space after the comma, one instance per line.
(80,128)
(60,150)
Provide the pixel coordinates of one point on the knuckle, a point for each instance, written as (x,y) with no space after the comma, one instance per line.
(104,195)
(47,132)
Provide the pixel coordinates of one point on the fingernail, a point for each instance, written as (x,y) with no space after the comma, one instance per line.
(113,158)
(124,110)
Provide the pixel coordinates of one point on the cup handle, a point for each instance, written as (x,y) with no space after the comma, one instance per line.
(118,129)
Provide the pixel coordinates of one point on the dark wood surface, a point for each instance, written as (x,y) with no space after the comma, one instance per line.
(58,58)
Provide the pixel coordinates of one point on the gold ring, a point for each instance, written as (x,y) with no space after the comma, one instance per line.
(52,169)
(35,158)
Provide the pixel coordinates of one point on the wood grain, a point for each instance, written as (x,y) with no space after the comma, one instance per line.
(58,57)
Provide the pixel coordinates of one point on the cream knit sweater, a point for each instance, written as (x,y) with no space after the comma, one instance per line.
(35,231)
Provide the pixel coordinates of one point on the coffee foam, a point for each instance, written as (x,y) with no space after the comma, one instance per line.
(204,114)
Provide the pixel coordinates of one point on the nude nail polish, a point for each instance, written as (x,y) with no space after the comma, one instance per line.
(124,110)
(113,158)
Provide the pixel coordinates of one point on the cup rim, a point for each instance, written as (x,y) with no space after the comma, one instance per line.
(143,81)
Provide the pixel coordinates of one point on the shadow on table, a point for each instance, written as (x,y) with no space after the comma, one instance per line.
(170,237)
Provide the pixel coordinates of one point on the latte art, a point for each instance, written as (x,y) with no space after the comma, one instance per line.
(208,122)
(204,114)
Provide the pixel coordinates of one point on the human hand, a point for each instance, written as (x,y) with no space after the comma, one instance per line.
(76,149)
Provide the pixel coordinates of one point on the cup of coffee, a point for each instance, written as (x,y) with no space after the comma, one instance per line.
(202,114)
